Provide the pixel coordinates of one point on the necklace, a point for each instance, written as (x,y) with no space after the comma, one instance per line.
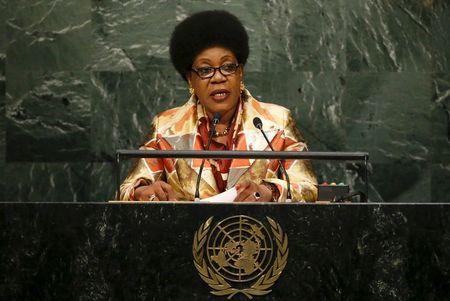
(222,133)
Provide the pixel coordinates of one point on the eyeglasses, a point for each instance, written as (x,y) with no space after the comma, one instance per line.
(208,72)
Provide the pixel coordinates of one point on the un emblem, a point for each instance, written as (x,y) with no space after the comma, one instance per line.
(240,255)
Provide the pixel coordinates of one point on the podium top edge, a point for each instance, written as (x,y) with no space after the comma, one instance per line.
(318,203)
(349,156)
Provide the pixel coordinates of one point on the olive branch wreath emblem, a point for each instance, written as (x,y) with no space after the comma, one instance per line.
(219,285)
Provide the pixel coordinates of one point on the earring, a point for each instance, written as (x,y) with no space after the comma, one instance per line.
(242,87)
(191,90)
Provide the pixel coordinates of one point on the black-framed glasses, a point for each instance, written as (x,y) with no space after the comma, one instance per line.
(208,72)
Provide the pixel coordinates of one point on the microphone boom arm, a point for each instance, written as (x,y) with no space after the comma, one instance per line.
(258,123)
(214,122)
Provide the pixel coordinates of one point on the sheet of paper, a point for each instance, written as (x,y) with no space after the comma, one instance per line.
(227,196)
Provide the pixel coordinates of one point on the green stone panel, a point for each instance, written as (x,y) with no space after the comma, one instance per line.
(48,35)
(402,181)
(2,96)
(117,50)
(49,182)
(124,105)
(385,35)
(315,101)
(388,115)
(440,190)
(2,138)
(131,35)
(103,187)
(2,27)
(2,36)
(48,117)
(307,35)
(370,112)
(441,35)
(440,119)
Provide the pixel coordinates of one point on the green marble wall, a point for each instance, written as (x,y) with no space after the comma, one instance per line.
(81,78)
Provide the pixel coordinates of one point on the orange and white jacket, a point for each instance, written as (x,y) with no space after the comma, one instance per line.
(177,129)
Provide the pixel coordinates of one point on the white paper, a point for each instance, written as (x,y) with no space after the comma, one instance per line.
(227,196)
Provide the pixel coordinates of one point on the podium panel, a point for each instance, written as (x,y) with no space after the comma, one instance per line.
(157,251)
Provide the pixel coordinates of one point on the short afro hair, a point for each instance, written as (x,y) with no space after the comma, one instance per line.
(207,29)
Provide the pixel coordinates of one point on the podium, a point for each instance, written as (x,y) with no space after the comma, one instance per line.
(144,251)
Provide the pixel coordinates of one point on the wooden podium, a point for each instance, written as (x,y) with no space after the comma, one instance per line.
(147,251)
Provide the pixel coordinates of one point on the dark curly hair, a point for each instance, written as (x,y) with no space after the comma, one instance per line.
(206,29)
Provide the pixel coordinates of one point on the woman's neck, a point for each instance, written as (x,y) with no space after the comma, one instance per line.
(225,118)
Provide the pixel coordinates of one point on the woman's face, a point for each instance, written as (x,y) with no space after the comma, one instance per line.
(220,93)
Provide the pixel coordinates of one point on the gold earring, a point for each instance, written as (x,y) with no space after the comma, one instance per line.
(242,87)
(191,90)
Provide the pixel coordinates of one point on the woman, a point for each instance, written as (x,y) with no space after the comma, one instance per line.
(209,49)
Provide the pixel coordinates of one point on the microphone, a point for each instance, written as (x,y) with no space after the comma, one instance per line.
(212,130)
(258,124)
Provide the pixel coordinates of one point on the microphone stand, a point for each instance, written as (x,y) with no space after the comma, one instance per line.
(258,124)
(214,122)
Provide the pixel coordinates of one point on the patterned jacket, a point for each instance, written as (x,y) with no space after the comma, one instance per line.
(177,129)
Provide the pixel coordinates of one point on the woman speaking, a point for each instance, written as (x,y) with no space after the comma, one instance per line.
(209,49)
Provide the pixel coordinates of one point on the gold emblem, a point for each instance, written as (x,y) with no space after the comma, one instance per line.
(238,255)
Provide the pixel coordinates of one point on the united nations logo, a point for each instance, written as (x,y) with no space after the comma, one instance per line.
(239,255)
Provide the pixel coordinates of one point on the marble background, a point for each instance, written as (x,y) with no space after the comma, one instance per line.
(82,78)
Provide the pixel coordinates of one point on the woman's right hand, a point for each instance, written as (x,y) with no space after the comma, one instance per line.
(158,191)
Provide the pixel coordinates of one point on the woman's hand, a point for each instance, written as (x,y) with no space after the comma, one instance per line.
(158,191)
(249,191)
